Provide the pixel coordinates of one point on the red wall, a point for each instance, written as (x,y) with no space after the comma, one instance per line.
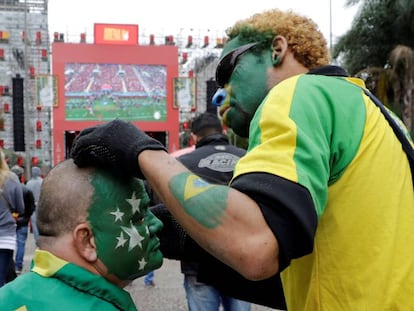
(112,54)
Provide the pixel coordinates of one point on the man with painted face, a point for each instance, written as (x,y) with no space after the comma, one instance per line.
(96,235)
(324,194)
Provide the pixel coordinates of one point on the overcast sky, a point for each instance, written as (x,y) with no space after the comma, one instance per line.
(171,17)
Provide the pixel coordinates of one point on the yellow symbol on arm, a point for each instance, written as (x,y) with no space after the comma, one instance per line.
(194,186)
(204,202)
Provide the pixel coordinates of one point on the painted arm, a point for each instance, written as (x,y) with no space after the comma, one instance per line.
(225,222)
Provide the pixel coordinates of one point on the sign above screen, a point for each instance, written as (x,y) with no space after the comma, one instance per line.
(116,34)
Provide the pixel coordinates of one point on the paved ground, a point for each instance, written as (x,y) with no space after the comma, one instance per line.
(167,294)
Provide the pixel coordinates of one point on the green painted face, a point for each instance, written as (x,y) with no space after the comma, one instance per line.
(124,228)
(246,88)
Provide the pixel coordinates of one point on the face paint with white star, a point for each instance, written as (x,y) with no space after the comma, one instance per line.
(123,227)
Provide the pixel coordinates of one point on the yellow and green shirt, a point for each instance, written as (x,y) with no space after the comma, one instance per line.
(55,284)
(335,187)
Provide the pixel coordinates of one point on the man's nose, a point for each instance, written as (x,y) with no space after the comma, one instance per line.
(155,225)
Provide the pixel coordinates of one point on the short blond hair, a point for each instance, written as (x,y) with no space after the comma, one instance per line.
(304,38)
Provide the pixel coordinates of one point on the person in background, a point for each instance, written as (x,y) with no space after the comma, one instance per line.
(96,235)
(149,279)
(34,184)
(324,194)
(22,221)
(11,202)
(213,160)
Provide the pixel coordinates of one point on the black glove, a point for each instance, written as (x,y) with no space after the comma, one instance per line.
(175,242)
(114,146)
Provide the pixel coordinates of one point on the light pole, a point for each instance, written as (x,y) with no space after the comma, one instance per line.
(26,104)
(330,26)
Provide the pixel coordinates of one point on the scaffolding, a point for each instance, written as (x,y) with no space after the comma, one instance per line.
(24,53)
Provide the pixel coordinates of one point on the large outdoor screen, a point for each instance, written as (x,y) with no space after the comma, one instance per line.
(107,91)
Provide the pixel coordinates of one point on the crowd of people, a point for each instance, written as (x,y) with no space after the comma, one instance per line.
(317,213)
(23,221)
(11,206)
(116,78)
(17,206)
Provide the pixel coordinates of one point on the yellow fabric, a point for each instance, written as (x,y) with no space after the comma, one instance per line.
(363,256)
(282,137)
(47,264)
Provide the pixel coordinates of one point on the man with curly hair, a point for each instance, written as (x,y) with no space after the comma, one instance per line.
(324,194)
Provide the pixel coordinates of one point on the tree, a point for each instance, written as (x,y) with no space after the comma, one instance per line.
(379,49)
(378,27)
(401,79)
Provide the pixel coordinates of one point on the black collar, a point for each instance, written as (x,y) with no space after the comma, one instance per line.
(329,71)
(217,139)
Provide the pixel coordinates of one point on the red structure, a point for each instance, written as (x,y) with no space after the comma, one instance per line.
(97,83)
(116,34)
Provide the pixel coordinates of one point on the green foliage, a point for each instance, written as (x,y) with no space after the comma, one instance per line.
(378,27)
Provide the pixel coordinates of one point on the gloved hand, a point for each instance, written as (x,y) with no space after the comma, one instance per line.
(175,243)
(113,146)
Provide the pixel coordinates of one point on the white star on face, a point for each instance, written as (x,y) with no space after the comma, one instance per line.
(134,237)
(134,202)
(142,263)
(118,214)
(121,240)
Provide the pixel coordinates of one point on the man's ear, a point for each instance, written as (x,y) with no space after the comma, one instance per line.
(279,48)
(85,243)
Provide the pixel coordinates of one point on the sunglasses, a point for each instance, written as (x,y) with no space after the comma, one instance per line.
(227,64)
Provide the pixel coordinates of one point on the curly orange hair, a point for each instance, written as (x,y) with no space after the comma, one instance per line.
(305,40)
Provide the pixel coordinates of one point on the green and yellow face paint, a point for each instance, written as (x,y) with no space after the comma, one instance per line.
(242,70)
